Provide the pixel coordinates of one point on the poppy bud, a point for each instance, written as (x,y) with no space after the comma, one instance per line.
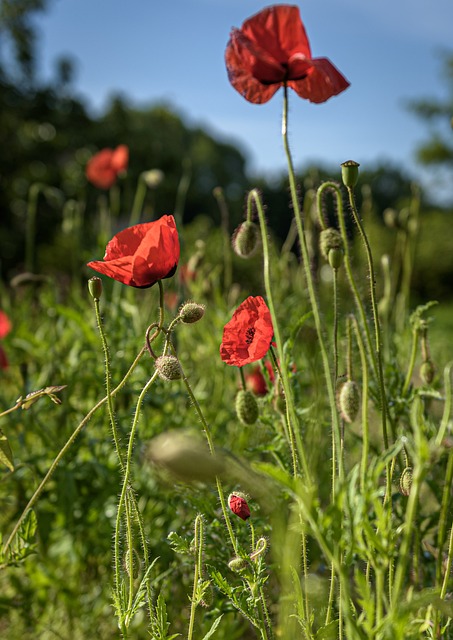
(331,245)
(191,312)
(95,287)
(152,178)
(348,401)
(168,367)
(427,371)
(350,173)
(238,505)
(237,564)
(245,239)
(246,407)
(406,481)
(186,456)
(136,563)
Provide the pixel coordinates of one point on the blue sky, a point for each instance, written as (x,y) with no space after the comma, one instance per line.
(172,51)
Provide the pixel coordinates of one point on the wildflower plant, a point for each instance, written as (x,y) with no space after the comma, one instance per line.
(306,494)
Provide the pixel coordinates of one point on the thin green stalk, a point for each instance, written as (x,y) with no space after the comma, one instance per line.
(443,591)
(226,249)
(347,265)
(30,230)
(365,386)
(443,516)
(413,356)
(139,199)
(66,448)
(293,424)
(198,548)
(377,336)
(309,280)
(210,441)
(447,407)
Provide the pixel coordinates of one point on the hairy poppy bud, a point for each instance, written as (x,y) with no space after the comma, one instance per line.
(427,371)
(185,456)
(191,312)
(331,245)
(406,481)
(238,505)
(237,564)
(348,401)
(168,367)
(95,287)
(350,173)
(245,239)
(246,407)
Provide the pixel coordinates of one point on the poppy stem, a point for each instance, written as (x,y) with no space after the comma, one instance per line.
(34,499)
(293,423)
(309,279)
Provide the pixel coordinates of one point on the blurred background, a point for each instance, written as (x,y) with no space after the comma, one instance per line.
(75,77)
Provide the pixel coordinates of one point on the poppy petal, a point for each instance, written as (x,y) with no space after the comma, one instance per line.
(322,82)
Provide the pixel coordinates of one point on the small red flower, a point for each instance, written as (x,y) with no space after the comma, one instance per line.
(239,506)
(256,381)
(143,254)
(5,325)
(248,335)
(271,49)
(103,168)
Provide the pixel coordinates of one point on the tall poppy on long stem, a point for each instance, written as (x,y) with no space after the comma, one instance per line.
(270,50)
(141,255)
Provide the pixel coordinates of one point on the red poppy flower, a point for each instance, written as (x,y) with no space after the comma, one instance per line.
(248,335)
(239,506)
(143,254)
(103,168)
(271,49)
(5,325)
(256,381)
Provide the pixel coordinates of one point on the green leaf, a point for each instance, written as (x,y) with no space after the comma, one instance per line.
(213,628)
(6,455)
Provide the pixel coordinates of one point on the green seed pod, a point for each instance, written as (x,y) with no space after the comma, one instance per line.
(406,481)
(349,401)
(336,258)
(350,173)
(427,371)
(95,287)
(168,368)
(247,407)
(245,239)
(191,312)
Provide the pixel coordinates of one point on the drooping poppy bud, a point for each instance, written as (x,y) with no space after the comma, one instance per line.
(246,407)
(406,481)
(238,505)
(245,239)
(191,312)
(349,400)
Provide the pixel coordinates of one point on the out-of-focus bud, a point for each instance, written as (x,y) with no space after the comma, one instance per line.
(153,178)
(349,400)
(186,456)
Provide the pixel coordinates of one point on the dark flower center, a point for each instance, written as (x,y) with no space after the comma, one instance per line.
(249,335)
